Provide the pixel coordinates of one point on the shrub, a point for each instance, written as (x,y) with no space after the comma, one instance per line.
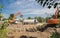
(3,30)
(55,35)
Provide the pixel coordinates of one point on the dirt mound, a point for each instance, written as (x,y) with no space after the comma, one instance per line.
(30,30)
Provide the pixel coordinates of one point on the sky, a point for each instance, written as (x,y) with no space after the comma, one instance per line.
(29,8)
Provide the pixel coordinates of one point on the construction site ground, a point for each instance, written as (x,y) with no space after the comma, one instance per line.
(18,30)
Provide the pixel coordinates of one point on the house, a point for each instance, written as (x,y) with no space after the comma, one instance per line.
(30,21)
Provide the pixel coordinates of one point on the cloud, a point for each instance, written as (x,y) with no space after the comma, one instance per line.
(25,0)
(39,11)
(23,4)
(31,0)
(28,7)
(15,4)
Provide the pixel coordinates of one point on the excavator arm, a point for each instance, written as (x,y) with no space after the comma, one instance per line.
(13,19)
(55,20)
(57,13)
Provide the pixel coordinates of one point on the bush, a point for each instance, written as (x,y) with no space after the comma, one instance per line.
(3,33)
(3,26)
(3,30)
(55,35)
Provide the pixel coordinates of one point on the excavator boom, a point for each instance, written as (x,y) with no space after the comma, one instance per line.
(13,19)
(55,20)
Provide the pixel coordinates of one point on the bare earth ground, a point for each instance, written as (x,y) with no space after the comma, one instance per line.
(17,30)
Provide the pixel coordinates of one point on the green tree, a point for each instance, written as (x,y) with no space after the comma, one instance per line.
(29,18)
(1,6)
(35,17)
(1,16)
(39,19)
(53,16)
(11,16)
(55,34)
(47,18)
(48,3)
(3,30)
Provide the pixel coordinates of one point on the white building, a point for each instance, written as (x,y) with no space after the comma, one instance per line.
(30,21)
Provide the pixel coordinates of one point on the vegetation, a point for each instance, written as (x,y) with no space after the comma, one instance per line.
(47,18)
(48,3)
(1,6)
(11,16)
(3,33)
(1,16)
(29,18)
(3,30)
(39,19)
(55,35)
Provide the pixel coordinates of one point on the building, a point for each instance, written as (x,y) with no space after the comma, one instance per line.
(30,21)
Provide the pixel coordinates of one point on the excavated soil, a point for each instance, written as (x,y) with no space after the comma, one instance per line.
(29,31)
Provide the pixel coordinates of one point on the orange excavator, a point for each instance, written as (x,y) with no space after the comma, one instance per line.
(13,19)
(55,20)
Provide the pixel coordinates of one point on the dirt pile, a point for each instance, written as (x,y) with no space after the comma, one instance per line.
(29,31)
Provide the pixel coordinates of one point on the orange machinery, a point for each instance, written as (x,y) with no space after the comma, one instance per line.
(55,20)
(13,19)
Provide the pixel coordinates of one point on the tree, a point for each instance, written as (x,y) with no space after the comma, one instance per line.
(48,3)
(53,16)
(1,16)
(11,16)
(35,17)
(29,18)
(39,19)
(3,30)
(47,18)
(55,34)
(1,6)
